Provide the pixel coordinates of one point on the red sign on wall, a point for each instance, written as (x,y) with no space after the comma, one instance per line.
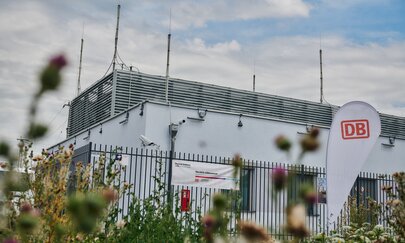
(185,200)
(355,129)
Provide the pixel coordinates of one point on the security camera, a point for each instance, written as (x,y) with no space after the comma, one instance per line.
(146,141)
(182,121)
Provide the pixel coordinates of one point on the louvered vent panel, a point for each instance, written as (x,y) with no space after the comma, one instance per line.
(134,87)
(92,106)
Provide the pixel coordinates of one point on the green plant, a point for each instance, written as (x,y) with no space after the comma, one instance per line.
(155,220)
(396,205)
(354,233)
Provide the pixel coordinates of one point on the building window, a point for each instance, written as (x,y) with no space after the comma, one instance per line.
(294,187)
(364,188)
(246,190)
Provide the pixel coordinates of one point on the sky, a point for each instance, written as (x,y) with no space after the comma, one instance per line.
(221,42)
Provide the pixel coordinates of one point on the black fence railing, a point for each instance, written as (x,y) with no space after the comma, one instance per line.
(258,203)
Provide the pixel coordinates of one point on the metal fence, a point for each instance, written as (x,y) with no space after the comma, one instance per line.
(259,202)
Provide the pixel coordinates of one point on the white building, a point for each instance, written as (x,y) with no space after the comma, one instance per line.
(218,121)
(211,123)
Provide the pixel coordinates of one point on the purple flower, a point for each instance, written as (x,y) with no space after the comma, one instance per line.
(10,240)
(58,61)
(279,178)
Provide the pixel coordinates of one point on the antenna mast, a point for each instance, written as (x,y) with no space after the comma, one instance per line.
(116,36)
(80,67)
(321,78)
(254,76)
(168,57)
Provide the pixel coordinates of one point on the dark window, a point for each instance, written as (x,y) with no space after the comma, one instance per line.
(364,188)
(246,191)
(294,185)
(246,188)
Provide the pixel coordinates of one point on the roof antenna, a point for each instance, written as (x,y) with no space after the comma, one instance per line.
(320,65)
(168,57)
(80,63)
(116,37)
(254,75)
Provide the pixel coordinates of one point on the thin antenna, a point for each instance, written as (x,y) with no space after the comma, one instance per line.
(168,57)
(80,65)
(321,78)
(254,76)
(116,36)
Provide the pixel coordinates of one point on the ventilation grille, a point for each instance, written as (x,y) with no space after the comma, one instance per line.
(133,88)
(92,106)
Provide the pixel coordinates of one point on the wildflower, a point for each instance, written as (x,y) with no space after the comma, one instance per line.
(395,202)
(68,153)
(308,193)
(237,161)
(110,195)
(219,201)
(3,165)
(79,237)
(279,178)
(4,149)
(314,132)
(120,224)
(10,240)
(50,76)
(309,144)
(283,143)
(27,222)
(209,223)
(253,232)
(296,221)
(58,61)
(25,207)
(37,130)
(37,158)
(127,185)
(386,188)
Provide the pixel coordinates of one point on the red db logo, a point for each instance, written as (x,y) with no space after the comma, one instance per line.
(355,129)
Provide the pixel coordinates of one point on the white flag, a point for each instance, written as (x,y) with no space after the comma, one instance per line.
(353,134)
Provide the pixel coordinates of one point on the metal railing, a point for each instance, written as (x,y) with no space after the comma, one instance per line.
(258,204)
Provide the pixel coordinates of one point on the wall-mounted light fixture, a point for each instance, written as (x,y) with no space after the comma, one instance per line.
(308,129)
(202,113)
(126,118)
(74,142)
(101,129)
(240,124)
(141,113)
(391,142)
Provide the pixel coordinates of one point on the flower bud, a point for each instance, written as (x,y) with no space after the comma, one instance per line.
(110,195)
(279,178)
(58,61)
(37,131)
(314,132)
(219,201)
(4,149)
(309,144)
(283,143)
(237,161)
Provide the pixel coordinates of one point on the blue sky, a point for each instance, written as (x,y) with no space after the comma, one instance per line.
(213,41)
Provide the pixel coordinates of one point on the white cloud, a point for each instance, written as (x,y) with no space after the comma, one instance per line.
(198,13)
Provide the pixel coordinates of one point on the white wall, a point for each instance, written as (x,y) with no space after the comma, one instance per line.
(219,135)
(113,133)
